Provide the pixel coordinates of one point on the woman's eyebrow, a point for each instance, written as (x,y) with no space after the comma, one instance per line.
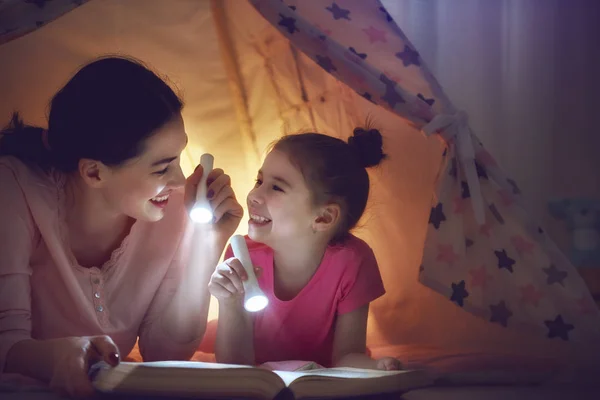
(163,161)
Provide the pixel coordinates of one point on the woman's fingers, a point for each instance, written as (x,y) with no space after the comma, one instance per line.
(107,349)
(228,206)
(191,186)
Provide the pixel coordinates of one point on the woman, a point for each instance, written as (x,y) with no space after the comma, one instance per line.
(95,236)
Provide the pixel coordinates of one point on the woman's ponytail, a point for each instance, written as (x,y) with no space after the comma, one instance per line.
(27,143)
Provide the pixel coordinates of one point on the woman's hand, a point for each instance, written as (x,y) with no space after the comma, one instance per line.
(226,209)
(73,357)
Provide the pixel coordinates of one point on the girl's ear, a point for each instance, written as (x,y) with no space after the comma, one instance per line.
(327,218)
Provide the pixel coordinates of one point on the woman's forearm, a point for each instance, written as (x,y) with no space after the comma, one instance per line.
(30,357)
(235,336)
(186,315)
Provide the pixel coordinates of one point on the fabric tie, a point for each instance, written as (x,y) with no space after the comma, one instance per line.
(456,127)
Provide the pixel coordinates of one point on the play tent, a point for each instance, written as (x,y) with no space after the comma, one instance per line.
(469,276)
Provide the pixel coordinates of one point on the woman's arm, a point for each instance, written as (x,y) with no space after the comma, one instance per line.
(176,321)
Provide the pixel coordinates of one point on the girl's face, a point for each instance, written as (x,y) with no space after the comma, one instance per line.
(141,187)
(280,205)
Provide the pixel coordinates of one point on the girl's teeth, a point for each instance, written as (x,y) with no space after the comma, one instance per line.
(159,199)
(258,218)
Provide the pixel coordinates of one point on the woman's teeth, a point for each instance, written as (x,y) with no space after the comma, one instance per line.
(160,199)
(258,218)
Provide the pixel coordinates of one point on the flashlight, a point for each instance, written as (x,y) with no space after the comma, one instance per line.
(202,212)
(254,298)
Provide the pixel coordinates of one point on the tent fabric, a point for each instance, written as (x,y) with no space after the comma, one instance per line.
(500,266)
(19,17)
(286,91)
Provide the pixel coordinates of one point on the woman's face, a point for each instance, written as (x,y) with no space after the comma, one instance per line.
(140,188)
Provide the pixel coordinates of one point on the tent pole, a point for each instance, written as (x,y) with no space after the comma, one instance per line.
(240,99)
(305,98)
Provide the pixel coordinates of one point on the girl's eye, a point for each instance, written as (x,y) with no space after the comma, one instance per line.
(258,182)
(161,172)
(277,188)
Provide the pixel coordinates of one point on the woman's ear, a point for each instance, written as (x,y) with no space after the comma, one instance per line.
(94,173)
(327,218)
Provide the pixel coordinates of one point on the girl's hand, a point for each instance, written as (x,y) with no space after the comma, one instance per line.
(389,364)
(226,283)
(73,357)
(226,209)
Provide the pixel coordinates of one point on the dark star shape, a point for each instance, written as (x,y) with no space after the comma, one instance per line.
(480,170)
(500,313)
(338,12)
(368,96)
(388,17)
(465,194)
(391,96)
(453,168)
(459,293)
(39,3)
(325,63)
(289,23)
(558,328)
(496,213)
(515,188)
(504,261)
(361,55)
(409,56)
(428,101)
(555,275)
(436,217)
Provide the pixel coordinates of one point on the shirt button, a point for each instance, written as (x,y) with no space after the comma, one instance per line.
(100,308)
(97,295)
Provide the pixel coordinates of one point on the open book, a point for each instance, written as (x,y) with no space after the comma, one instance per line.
(211,380)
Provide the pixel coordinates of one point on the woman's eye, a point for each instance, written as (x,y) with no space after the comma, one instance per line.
(161,172)
(275,187)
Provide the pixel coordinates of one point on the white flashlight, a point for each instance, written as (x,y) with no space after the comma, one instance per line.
(202,212)
(254,298)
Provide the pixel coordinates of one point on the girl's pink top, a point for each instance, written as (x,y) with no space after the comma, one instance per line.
(303,328)
(45,294)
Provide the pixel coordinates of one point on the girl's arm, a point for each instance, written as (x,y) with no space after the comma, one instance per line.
(350,340)
(350,343)
(235,334)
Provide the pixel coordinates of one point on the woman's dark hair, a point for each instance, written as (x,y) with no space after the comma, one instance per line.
(105,113)
(335,171)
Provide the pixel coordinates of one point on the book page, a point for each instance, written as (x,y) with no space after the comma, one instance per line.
(188,364)
(335,373)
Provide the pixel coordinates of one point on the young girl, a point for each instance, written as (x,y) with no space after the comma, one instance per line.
(95,236)
(310,192)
